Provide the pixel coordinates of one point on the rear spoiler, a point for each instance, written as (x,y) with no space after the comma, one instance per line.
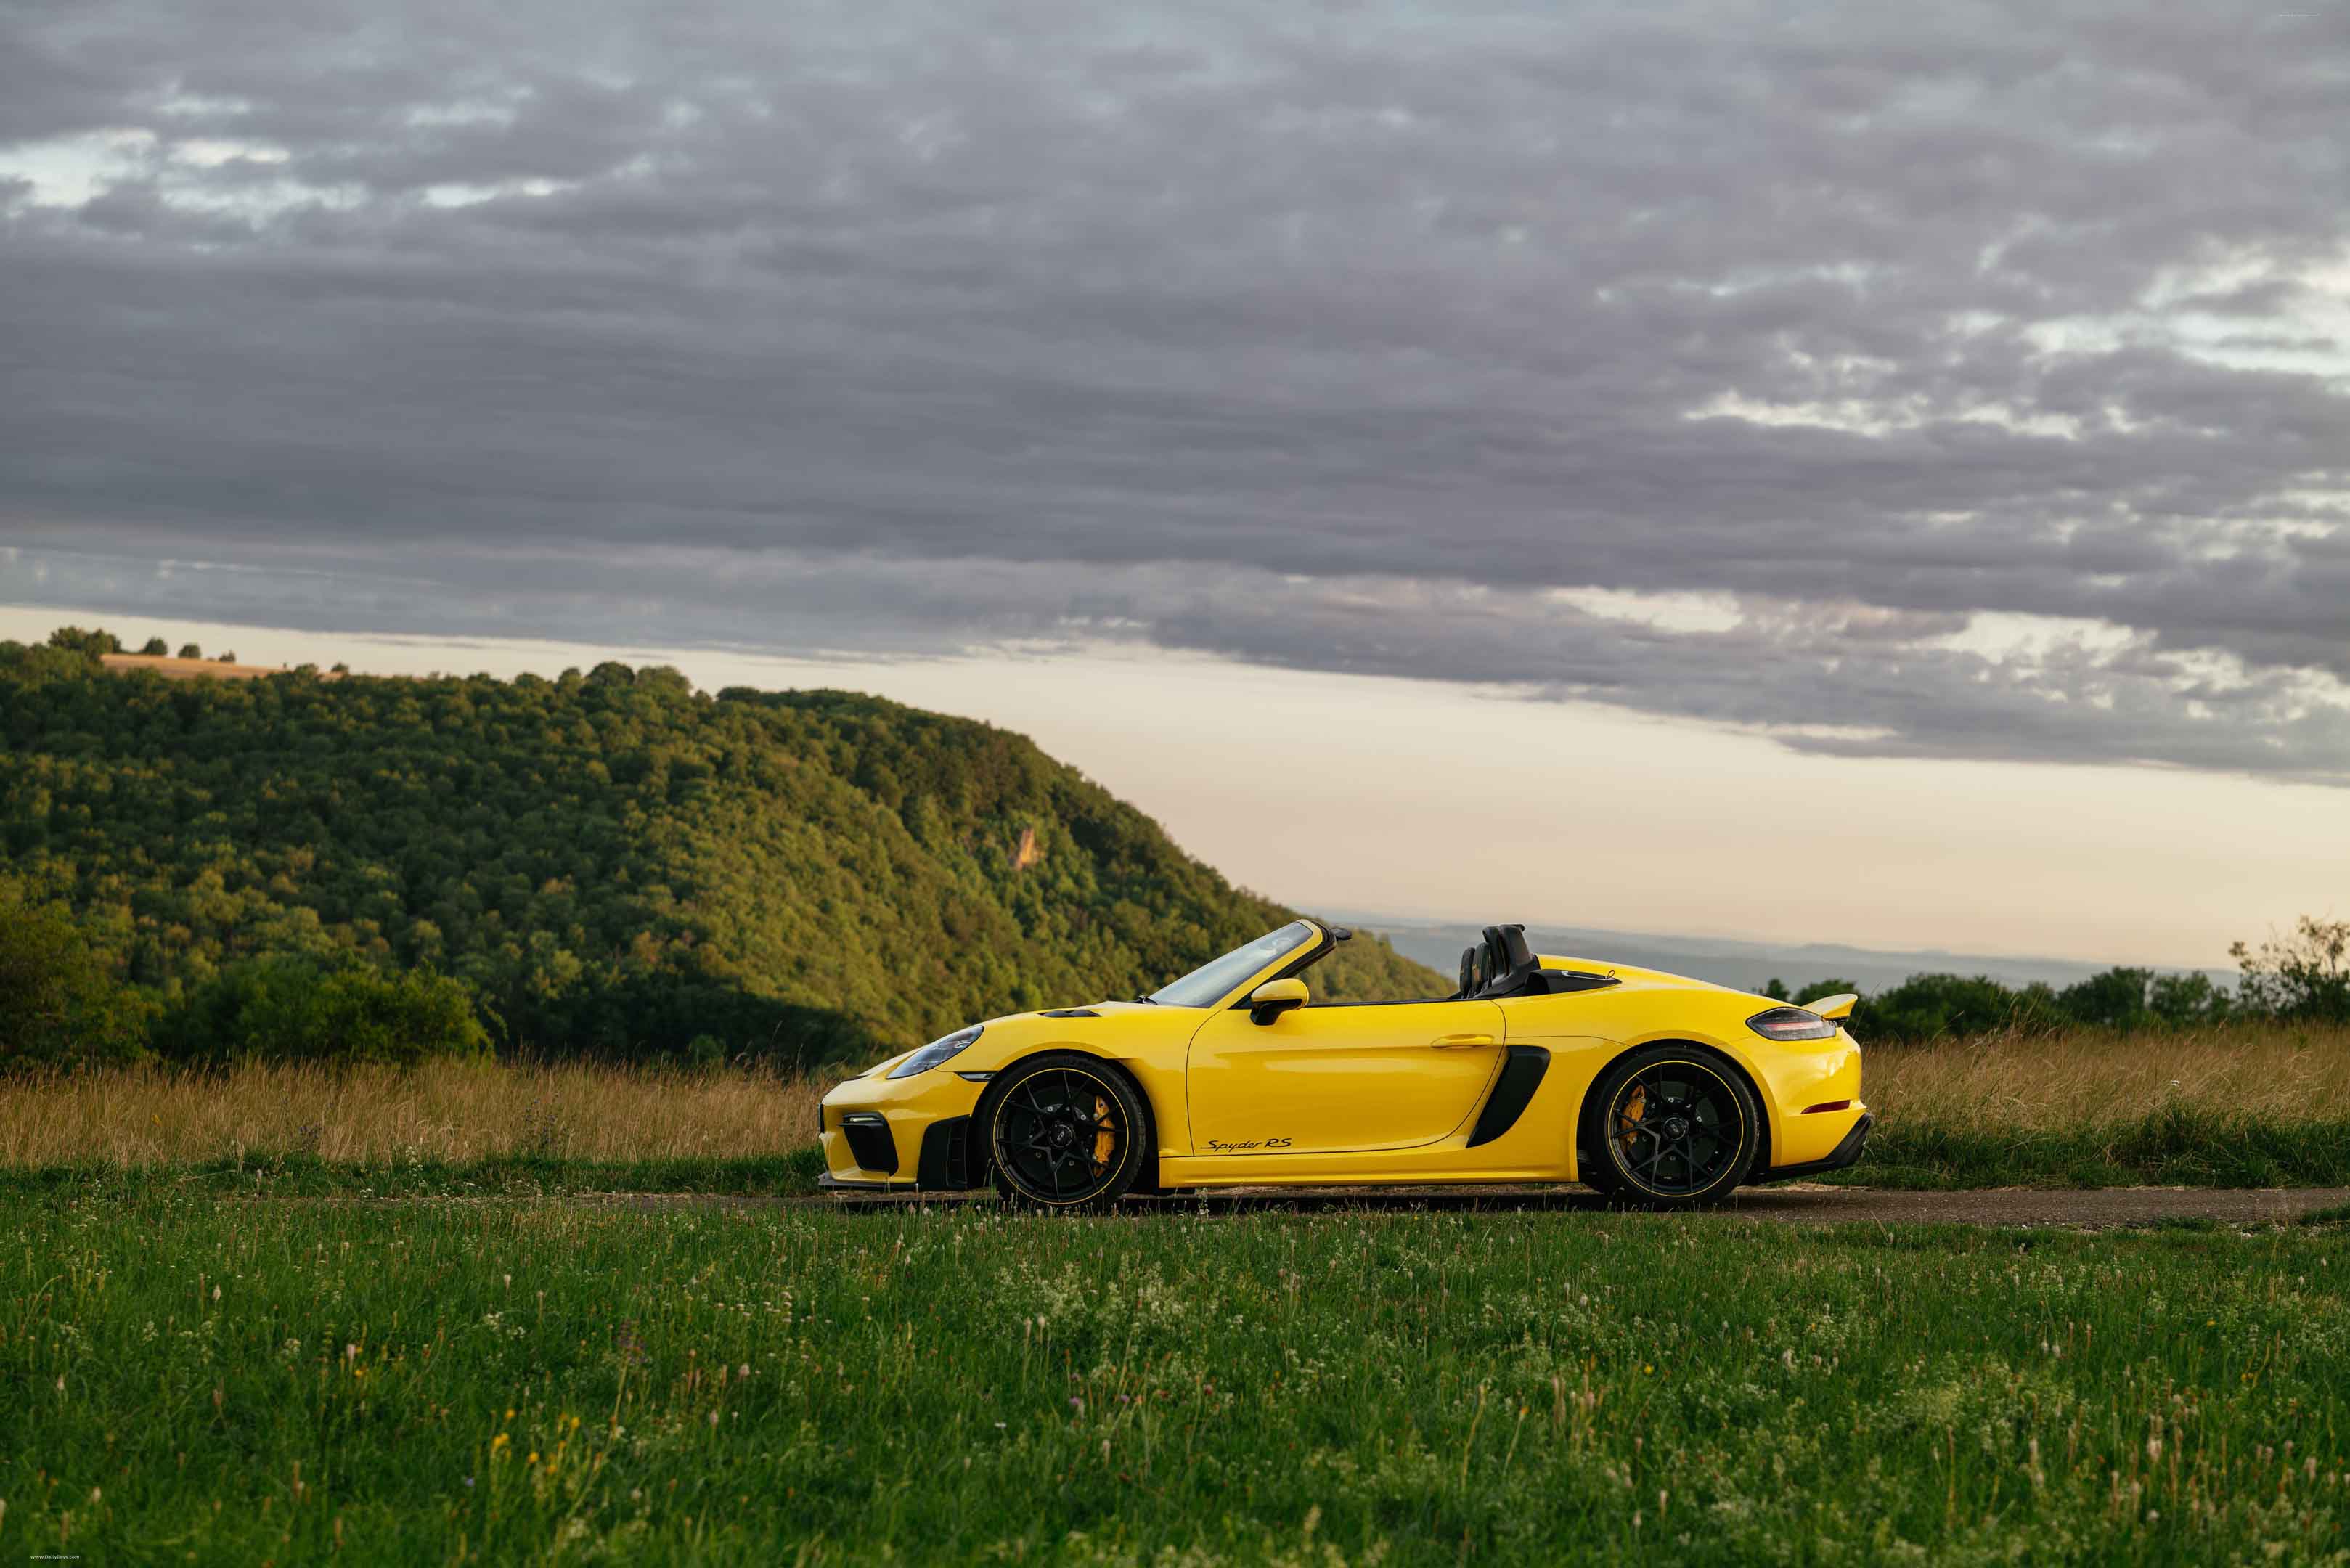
(1836,1006)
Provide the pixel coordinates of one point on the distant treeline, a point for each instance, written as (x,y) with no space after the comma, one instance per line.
(606,864)
(2302,975)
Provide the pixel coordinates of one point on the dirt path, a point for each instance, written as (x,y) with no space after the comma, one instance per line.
(2093,1209)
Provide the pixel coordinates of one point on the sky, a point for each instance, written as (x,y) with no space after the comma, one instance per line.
(1903,443)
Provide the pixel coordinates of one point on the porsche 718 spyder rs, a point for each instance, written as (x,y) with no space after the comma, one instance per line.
(1663,1090)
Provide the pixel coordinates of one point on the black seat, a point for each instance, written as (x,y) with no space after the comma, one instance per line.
(1507,961)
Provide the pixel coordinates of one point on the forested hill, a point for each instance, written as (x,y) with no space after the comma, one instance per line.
(610,862)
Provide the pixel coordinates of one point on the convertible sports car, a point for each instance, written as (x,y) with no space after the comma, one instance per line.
(1665,1091)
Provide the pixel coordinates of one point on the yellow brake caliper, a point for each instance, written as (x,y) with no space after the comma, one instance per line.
(1105,1140)
(1634,1109)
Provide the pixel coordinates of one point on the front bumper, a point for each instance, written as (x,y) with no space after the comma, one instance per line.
(901,1134)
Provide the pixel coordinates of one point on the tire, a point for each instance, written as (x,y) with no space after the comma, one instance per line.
(1068,1133)
(1671,1127)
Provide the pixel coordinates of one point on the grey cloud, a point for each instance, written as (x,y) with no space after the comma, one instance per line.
(1085,302)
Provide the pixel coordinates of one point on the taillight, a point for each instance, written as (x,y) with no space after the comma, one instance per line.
(1790,1023)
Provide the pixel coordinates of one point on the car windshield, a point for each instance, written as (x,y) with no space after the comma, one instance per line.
(1213,980)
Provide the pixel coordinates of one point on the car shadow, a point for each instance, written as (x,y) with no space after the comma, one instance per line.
(1793,1200)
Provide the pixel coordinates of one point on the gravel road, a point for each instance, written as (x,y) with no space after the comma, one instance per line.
(2086,1209)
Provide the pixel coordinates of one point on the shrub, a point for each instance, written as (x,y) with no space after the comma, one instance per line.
(1931,1006)
(2115,999)
(155,647)
(1936,1006)
(2183,998)
(698,1019)
(283,1010)
(191,650)
(60,1005)
(2302,975)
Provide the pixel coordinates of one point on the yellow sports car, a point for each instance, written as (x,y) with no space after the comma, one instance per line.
(1666,1091)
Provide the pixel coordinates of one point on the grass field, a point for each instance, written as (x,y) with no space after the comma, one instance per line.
(197,1380)
(2255,1104)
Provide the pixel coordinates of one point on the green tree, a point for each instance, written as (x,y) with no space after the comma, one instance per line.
(191,650)
(2117,999)
(60,1004)
(74,639)
(282,1009)
(1938,1006)
(2179,1000)
(154,647)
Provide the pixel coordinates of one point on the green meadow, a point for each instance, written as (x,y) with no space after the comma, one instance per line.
(216,1379)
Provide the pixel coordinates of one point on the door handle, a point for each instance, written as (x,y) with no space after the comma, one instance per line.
(1460,1041)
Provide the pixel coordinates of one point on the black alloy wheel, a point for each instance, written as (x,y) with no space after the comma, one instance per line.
(1676,1128)
(1065,1131)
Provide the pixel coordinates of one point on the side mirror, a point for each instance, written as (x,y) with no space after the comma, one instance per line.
(1275,997)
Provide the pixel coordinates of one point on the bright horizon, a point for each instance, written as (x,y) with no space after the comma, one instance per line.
(1441,802)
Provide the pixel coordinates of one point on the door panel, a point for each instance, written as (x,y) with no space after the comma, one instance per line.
(1320,1080)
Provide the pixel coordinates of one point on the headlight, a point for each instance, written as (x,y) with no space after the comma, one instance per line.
(1790,1023)
(936,1052)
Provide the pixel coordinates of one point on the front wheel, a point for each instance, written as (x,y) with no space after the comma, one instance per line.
(1671,1127)
(1067,1131)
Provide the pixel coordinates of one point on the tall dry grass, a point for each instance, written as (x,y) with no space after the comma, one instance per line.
(2087,1080)
(1995,1086)
(446,1112)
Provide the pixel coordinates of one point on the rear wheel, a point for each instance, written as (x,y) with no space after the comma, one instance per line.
(1067,1131)
(1671,1127)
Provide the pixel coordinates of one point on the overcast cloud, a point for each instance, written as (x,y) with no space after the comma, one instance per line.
(1961,381)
